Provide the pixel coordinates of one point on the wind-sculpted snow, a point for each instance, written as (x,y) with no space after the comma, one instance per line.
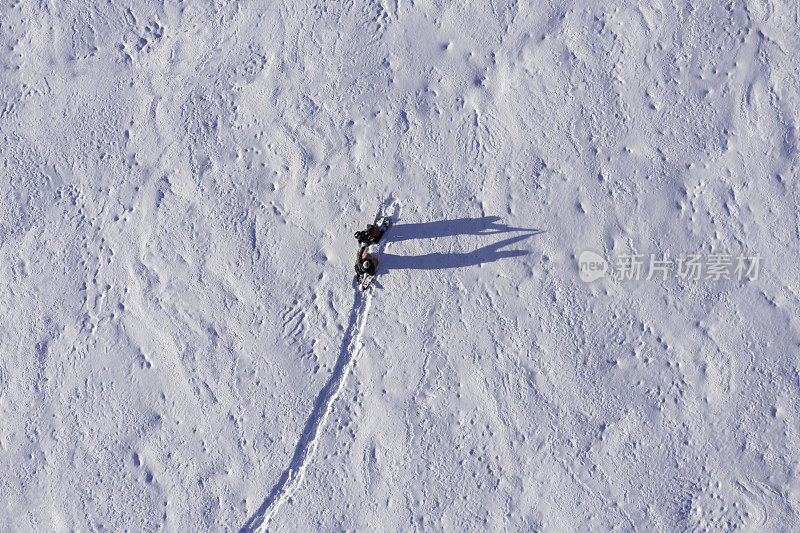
(180,344)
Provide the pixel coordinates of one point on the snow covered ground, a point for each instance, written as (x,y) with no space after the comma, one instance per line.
(181,344)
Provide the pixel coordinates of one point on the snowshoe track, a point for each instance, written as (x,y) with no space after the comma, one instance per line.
(292,477)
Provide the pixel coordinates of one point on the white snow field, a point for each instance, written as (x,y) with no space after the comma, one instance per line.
(182,347)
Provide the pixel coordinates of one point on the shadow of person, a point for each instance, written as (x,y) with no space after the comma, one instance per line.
(436,261)
(449,228)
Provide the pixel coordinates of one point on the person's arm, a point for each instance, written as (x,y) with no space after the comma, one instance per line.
(360,256)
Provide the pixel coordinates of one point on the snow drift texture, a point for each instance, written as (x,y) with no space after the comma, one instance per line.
(179,185)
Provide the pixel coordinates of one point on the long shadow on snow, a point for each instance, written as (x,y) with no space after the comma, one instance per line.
(314,423)
(449,228)
(436,260)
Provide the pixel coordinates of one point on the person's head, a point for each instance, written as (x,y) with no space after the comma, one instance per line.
(366,264)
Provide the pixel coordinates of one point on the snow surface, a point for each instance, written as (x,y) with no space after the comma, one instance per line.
(181,344)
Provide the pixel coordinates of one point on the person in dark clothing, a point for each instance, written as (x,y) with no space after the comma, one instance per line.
(365,263)
(371,235)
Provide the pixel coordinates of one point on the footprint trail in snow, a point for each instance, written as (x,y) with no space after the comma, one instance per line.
(292,477)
